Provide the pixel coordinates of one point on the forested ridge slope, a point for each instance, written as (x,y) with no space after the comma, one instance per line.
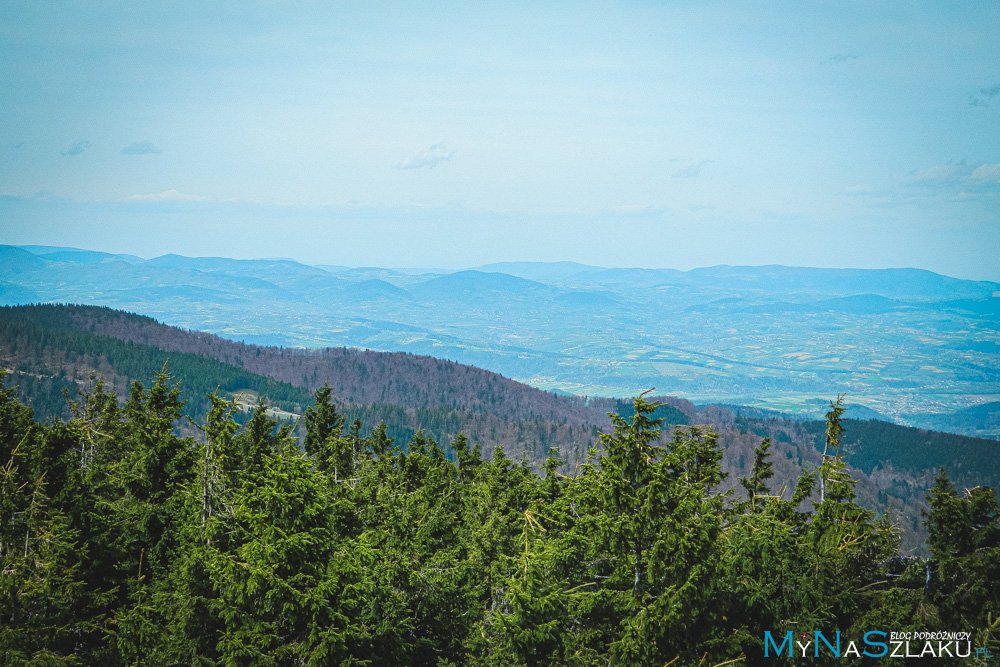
(355,375)
(51,348)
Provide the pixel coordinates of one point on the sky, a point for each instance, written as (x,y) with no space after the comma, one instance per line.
(653,134)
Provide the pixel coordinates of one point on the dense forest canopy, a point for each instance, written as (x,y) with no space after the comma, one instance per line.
(122,542)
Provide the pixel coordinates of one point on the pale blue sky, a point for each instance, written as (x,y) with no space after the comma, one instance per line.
(659,134)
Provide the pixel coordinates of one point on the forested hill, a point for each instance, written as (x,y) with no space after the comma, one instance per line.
(52,351)
(355,376)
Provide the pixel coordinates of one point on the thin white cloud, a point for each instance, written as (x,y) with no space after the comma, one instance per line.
(78,147)
(967,196)
(987,172)
(141,148)
(859,191)
(692,170)
(957,181)
(874,197)
(166,196)
(634,210)
(940,174)
(358,204)
(430,157)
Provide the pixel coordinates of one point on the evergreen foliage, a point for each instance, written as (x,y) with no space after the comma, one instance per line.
(124,543)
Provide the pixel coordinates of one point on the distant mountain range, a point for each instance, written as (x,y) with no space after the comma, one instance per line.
(909,344)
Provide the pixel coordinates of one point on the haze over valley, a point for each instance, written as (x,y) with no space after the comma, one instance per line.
(913,346)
